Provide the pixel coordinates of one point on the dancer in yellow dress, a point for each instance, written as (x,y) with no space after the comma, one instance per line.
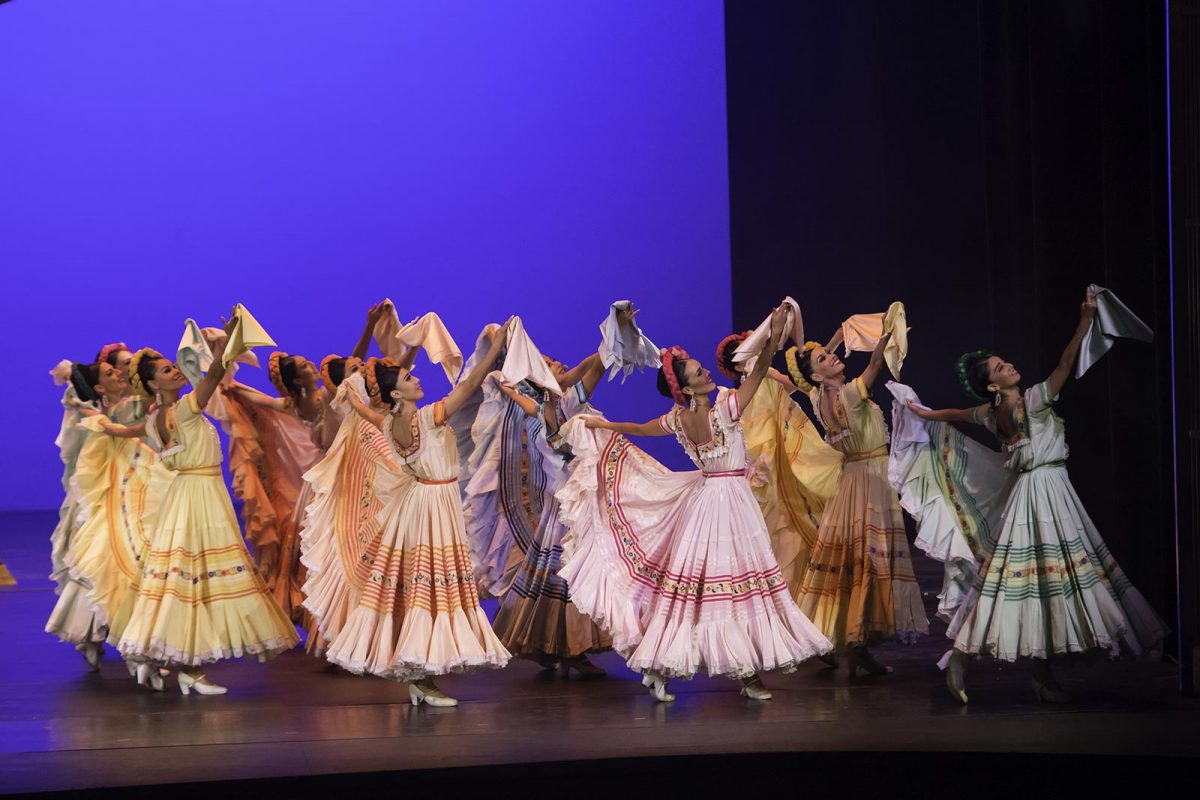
(199,598)
(859,587)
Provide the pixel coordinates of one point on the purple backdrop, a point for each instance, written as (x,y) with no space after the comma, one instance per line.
(164,160)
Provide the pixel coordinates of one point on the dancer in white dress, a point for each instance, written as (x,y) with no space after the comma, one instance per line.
(1048,584)
(678,567)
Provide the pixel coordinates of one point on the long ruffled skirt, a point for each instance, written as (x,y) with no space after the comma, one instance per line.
(1052,586)
(676,567)
(419,613)
(537,618)
(199,598)
(860,587)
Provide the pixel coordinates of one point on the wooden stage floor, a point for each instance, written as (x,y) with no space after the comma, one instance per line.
(64,728)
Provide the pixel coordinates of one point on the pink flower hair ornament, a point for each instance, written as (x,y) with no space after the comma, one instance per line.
(669,355)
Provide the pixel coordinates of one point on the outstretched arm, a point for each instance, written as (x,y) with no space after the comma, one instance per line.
(1058,378)
(374,314)
(471,383)
(255,397)
(948,414)
(123,431)
(363,410)
(871,373)
(651,428)
(782,380)
(745,392)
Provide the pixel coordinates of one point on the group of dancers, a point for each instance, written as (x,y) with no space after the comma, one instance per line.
(377,521)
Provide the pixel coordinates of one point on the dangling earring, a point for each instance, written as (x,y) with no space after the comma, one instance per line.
(692,402)
(158,398)
(999,399)
(397,407)
(303,393)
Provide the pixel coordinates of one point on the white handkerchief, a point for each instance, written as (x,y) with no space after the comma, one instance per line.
(523,361)
(622,349)
(193,356)
(430,333)
(747,352)
(1112,321)
(353,383)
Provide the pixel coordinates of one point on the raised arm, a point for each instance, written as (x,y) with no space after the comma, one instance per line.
(212,379)
(1066,362)
(374,314)
(470,384)
(871,373)
(948,414)
(410,356)
(652,428)
(838,337)
(745,392)
(588,371)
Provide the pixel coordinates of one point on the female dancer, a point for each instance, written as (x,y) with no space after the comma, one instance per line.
(97,389)
(801,470)
(1049,586)
(859,586)
(121,483)
(513,518)
(419,616)
(198,598)
(677,567)
(273,442)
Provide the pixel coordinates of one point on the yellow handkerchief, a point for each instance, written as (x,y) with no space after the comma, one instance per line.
(246,334)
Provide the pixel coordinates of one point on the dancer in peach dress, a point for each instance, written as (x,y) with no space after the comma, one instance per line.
(419,615)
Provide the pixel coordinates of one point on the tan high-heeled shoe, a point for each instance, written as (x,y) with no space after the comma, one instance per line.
(658,687)
(430,695)
(200,684)
(754,689)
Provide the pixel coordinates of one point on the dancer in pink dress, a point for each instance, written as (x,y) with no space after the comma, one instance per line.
(678,566)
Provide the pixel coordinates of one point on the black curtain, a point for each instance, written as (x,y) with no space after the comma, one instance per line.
(983,161)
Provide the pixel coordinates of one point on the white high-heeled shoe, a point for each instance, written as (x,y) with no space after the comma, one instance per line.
(430,696)
(201,684)
(147,675)
(658,687)
(755,689)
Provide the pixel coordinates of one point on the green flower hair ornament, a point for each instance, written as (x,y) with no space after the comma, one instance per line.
(963,367)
